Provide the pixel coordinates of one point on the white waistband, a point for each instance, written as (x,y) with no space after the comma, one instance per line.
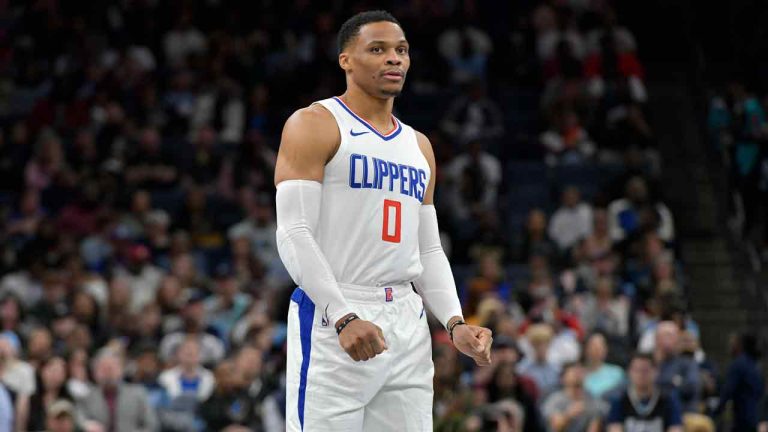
(373,294)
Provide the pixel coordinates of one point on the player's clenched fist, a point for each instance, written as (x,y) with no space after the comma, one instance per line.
(475,342)
(362,340)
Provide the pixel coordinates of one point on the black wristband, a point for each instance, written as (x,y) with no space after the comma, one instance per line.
(453,326)
(346,321)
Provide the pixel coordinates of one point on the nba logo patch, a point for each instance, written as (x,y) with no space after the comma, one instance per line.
(388,294)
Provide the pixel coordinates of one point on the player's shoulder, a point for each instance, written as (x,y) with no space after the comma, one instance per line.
(313,122)
(421,138)
(310,117)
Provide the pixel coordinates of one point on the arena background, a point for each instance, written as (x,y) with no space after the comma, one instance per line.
(137,148)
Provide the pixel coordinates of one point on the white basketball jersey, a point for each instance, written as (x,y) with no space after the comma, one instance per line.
(373,188)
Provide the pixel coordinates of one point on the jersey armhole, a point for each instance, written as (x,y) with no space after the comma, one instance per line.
(421,152)
(342,142)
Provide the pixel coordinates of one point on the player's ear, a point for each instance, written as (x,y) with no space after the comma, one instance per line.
(344,60)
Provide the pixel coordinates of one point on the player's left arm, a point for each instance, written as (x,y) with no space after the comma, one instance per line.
(436,284)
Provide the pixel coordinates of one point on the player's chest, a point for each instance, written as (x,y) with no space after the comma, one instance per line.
(391,168)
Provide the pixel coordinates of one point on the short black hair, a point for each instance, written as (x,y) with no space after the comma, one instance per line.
(569,365)
(642,356)
(351,27)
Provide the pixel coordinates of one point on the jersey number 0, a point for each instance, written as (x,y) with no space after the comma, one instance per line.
(390,229)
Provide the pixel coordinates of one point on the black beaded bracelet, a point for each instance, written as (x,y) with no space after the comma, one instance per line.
(453,326)
(344,323)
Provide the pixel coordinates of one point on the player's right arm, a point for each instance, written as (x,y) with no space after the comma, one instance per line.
(310,139)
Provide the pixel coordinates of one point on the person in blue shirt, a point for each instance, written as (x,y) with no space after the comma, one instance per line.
(677,373)
(602,378)
(644,407)
(7,410)
(744,383)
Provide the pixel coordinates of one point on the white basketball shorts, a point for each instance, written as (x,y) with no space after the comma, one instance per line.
(328,391)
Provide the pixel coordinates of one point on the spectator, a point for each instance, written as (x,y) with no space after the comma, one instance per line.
(78,384)
(488,284)
(599,242)
(467,49)
(223,107)
(672,310)
(536,241)
(506,385)
(254,166)
(183,40)
(188,377)
(539,368)
(39,346)
(608,68)
(506,351)
(473,116)
(140,207)
(637,211)
(540,287)
(113,404)
(150,167)
(263,388)
(149,327)
(17,375)
(554,27)
(24,285)
(7,410)
(566,141)
(744,383)
(81,216)
(603,310)
(563,65)
(141,276)
(572,409)
(60,417)
(11,314)
(48,166)
(201,220)
(23,223)
(572,222)
(211,347)
(474,177)
(202,165)
(644,406)
(186,386)
(601,378)
(676,374)
(146,370)
(156,225)
(229,405)
(51,389)
(228,305)
(258,228)
(625,40)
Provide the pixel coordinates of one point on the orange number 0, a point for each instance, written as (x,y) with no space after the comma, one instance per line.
(391,234)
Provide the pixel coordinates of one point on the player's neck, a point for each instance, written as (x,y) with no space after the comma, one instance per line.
(376,111)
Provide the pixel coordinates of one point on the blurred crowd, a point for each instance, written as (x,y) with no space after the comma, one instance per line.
(140,287)
(738,130)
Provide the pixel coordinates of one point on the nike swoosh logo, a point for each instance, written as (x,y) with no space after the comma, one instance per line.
(353,133)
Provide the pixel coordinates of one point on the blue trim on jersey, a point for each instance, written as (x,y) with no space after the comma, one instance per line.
(306,318)
(365,123)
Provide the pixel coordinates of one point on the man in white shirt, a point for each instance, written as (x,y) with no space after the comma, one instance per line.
(572,221)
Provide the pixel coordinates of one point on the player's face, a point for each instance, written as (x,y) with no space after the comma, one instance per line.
(378,60)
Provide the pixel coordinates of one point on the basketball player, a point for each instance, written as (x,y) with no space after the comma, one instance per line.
(357,231)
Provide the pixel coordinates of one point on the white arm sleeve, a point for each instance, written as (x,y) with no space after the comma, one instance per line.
(435,285)
(298,211)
